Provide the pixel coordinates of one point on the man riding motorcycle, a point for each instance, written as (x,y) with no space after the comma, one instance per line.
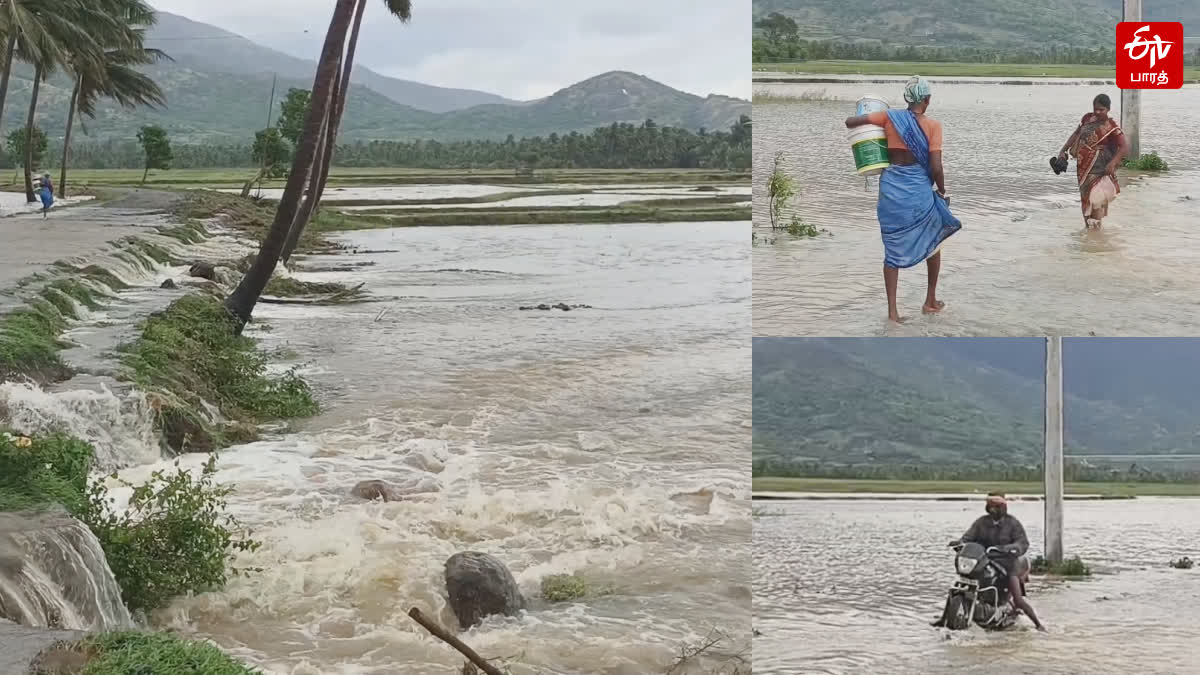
(1005,532)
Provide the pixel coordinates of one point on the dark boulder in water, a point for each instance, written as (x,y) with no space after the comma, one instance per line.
(376,489)
(479,585)
(203,270)
(169,283)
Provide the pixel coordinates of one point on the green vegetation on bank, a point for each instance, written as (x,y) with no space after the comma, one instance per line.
(133,652)
(29,343)
(980,487)
(190,353)
(333,221)
(175,537)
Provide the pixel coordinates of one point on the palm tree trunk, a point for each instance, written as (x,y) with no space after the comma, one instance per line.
(317,188)
(9,50)
(241,302)
(314,178)
(33,97)
(62,177)
(343,92)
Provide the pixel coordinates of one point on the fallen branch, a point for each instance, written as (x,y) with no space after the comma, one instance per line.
(444,635)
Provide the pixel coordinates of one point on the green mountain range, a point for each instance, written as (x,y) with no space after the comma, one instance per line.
(221,94)
(954,401)
(973,23)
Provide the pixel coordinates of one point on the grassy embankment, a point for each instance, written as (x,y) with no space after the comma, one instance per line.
(931,69)
(853,486)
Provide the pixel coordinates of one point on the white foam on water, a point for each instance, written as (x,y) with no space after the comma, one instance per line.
(121,428)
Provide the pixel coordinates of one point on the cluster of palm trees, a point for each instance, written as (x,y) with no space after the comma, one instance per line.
(314,152)
(98,43)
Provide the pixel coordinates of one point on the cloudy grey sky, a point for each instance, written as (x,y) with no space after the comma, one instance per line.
(521,49)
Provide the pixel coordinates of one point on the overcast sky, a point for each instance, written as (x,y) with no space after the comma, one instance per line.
(521,49)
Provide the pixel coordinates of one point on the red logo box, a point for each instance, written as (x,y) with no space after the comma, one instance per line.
(1150,55)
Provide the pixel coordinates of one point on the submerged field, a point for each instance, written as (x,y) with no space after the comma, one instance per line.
(861,486)
(347,176)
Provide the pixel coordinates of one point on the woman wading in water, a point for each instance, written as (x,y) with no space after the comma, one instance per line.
(1098,146)
(913,220)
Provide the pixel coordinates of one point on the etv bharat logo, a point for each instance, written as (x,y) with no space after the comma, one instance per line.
(1154,62)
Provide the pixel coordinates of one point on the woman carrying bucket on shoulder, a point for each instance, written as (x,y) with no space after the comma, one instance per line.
(913,220)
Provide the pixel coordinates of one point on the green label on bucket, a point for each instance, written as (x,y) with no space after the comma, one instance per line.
(869,152)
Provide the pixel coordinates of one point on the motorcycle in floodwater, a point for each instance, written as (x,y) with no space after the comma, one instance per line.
(980,594)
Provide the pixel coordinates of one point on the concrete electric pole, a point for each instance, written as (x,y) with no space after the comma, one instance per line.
(1052,469)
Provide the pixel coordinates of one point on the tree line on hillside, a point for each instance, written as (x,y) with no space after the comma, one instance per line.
(778,40)
(98,43)
(1073,471)
(619,146)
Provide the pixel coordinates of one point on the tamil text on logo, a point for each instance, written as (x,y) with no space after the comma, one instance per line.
(1149,55)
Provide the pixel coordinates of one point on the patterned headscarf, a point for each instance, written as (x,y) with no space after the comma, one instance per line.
(916,89)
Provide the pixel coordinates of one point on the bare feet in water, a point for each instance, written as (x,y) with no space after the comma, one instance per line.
(896,318)
(934,308)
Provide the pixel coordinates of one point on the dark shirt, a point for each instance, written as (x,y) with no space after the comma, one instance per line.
(1007,533)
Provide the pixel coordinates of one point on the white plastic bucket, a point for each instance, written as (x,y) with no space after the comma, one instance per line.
(869,104)
(869,145)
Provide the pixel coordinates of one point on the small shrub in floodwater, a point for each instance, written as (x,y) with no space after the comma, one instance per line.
(1147,162)
(1071,567)
(563,587)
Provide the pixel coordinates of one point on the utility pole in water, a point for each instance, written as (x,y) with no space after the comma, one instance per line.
(1052,467)
(1131,99)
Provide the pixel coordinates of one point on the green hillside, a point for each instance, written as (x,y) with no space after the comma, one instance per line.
(952,402)
(974,23)
(218,91)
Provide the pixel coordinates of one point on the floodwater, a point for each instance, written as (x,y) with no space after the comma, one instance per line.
(850,586)
(612,442)
(1023,263)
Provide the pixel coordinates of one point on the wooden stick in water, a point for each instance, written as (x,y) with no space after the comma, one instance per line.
(444,635)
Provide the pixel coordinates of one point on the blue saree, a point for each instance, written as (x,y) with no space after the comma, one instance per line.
(913,219)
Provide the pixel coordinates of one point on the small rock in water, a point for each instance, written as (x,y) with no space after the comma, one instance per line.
(376,489)
(169,283)
(561,305)
(1019,217)
(479,585)
(203,270)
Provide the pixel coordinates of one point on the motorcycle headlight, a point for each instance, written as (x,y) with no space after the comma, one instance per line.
(966,565)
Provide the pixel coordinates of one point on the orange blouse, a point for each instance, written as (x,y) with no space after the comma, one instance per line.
(931,127)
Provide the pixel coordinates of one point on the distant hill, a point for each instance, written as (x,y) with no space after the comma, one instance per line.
(205,48)
(221,95)
(979,23)
(952,401)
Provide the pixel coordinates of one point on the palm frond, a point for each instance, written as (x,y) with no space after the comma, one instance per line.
(401,9)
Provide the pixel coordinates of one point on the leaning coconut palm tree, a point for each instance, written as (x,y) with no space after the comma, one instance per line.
(39,32)
(50,34)
(114,79)
(114,76)
(401,9)
(241,302)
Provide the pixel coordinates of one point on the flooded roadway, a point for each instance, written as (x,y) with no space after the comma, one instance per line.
(849,587)
(1023,264)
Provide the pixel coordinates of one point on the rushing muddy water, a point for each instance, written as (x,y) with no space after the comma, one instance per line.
(609,441)
(850,586)
(1023,264)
